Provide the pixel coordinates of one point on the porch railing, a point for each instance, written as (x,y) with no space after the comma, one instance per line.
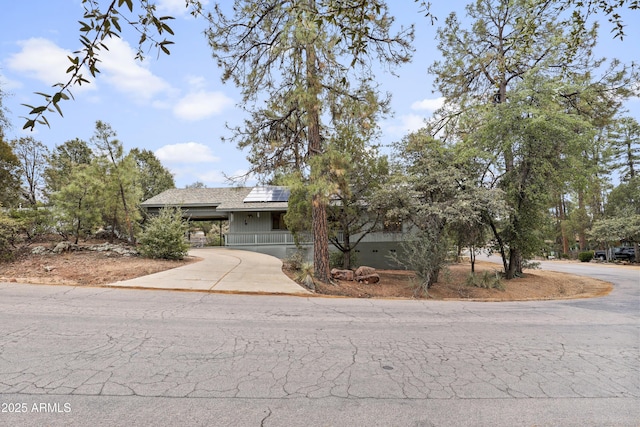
(286,238)
(374,237)
(270,238)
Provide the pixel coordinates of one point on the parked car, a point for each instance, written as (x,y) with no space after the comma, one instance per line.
(626,254)
(621,253)
(601,255)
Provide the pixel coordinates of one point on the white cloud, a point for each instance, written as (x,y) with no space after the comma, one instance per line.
(7,84)
(188,152)
(43,60)
(406,124)
(196,82)
(120,69)
(216,177)
(212,177)
(428,104)
(201,105)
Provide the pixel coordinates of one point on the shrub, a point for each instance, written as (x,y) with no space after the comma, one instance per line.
(295,261)
(336,259)
(585,256)
(425,253)
(9,231)
(305,276)
(34,222)
(164,236)
(486,280)
(214,240)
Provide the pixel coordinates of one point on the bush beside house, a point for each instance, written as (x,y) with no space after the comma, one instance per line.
(164,236)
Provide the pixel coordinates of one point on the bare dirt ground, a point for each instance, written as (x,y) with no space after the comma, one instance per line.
(98,268)
(82,268)
(536,285)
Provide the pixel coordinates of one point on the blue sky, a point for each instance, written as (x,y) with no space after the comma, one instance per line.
(176,105)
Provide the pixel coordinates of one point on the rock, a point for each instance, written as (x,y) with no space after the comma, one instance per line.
(365,271)
(64,247)
(109,247)
(48,268)
(342,274)
(124,251)
(39,250)
(368,279)
(100,248)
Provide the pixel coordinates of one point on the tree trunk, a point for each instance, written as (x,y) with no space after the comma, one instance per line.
(318,204)
(472,258)
(79,223)
(503,254)
(563,218)
(515,264)
(320,239)
(346,254)
(582,232)
(127,214)
(433,278)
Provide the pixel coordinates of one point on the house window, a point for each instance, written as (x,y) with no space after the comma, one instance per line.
(277,221)
(392,226)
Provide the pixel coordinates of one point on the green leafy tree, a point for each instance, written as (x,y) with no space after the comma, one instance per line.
(153,177)
(276,139)
(119,171)
(625,143)
(165,235)
(350,218)
(197,184)
(357,170)
(32,155)
(622,221)
(78,205)
(540,134)
(435,195)
(9,236)
(295,52)
(587,176)
(424,252)
(517,64)
(353,170)
(9,175)
(63,161)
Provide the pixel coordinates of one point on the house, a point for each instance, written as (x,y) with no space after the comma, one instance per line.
(256,221)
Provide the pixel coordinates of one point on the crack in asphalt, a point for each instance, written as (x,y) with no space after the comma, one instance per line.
(312,350)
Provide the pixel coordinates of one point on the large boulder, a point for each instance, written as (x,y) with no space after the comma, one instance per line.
(346,275)
(364,271)
(64,247)
(368,279)
(39,250)
(112,248)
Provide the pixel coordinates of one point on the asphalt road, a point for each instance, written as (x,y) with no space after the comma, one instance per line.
(91,356)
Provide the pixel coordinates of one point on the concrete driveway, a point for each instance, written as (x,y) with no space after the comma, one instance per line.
(222,270)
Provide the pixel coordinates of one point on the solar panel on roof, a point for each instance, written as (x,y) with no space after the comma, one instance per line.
(267,194)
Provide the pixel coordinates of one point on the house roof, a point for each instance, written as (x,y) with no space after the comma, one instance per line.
(223,199)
